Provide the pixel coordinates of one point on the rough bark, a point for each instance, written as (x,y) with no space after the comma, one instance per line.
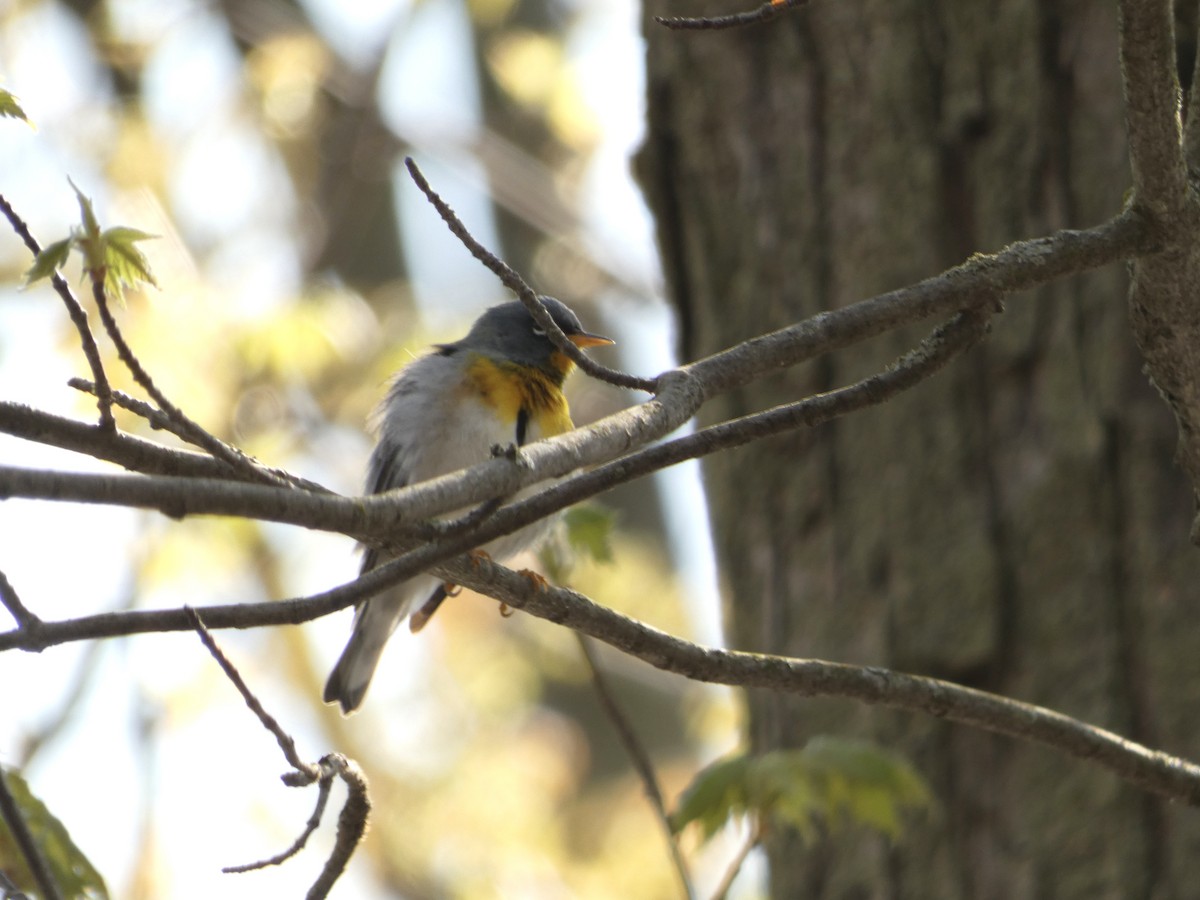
(1016,524)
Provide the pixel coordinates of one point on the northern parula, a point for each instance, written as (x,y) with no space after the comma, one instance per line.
(499,385)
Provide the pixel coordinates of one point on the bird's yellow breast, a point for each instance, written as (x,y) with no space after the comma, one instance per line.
(509,388)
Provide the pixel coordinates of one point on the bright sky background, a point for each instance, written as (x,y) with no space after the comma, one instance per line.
(51,554)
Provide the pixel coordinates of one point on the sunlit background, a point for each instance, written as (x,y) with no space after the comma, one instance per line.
(263,142)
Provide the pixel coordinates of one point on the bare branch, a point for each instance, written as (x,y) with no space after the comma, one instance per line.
(352,823)
(286,743)
(979,281)
(314,821)
(19,829)
(1191,122)
(12,602)
(764,13)
(1151,770)
(1162,304)
(160,420)
(186,428)
(133,453)
(1152,107)
(78,317)
(640,759)
(515,283)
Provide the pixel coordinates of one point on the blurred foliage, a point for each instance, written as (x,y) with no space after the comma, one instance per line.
(70,869)
(10,107)
(829,782)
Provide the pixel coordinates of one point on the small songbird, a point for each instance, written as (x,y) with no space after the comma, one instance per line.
(499,385)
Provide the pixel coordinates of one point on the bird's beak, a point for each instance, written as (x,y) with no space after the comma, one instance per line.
(584,339)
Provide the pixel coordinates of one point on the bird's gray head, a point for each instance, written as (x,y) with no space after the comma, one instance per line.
(509,332)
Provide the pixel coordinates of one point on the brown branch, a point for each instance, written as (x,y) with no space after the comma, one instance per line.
(352,823)
(19,829)
(1152,107)
(159,420)
(641,761)
(764,13)
(515,283)
(286,743)
(25,619)
(314,821)
(1163,312)
(1151,770)
(1191,125)
(187,428)
(78,316)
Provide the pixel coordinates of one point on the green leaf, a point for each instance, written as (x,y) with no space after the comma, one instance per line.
(49,260)
(589,530)
(718,791)
(831,781)
(71,870)
(88,239)
(124,264)
(11,109)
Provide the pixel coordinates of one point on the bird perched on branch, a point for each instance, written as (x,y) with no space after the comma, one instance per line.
(499,385)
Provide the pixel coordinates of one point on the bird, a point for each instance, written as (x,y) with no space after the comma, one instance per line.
(500,385)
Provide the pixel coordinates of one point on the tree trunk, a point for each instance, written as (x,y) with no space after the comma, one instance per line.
(1016,524)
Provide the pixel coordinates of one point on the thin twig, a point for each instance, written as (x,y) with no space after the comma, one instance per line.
(188,429)
(515,283)
(352,821)
(735,865)
(286,743)
(133,453)
(314,821)
(641,761)
(764,13)
(19,829)
(78,317)
(12,602)
(161,421)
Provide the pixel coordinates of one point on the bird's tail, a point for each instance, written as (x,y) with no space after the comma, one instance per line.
(373,625)
(350,678)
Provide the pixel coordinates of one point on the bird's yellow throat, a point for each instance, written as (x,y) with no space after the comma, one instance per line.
(510,388)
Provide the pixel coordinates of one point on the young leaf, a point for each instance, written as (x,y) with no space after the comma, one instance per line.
(830,780)
(88,239)
(11,109)
(124,264)
(49,260)
(71,870)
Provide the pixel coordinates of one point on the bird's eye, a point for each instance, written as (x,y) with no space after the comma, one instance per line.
(540,332)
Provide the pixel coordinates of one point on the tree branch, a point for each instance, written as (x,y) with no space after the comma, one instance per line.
(1151,770)
(1163,311)
(1147,36)
(185,427)
(78,316)
(763,13)
(527,295)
